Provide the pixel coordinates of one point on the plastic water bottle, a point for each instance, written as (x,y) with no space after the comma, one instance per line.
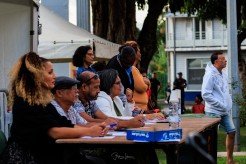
(173,116)
(179,109)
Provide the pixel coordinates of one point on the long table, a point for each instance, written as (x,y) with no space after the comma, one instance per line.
(176,152)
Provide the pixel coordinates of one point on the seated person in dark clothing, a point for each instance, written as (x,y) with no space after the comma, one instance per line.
(99,66)
(123,64)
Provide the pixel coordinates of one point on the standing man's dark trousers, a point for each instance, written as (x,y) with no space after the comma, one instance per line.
(154,100)
(183,110)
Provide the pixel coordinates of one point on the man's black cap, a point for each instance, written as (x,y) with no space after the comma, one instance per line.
(63,82)
(180,73)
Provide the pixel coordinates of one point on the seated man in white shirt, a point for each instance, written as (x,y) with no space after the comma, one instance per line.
(89,89)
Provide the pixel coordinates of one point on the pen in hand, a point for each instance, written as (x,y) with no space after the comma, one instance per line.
(111,125)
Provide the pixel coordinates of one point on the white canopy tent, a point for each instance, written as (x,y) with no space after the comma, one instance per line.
(59,39)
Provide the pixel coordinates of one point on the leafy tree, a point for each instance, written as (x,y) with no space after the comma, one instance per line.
(158,64)
(212,9)
(147,38)
(115,20)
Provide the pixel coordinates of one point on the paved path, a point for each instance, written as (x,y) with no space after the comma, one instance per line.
(223,154)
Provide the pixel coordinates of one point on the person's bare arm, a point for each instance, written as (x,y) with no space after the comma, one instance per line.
(135,122)
(65,132)
(100,115)
(152,116)
(89,124)
(89,118)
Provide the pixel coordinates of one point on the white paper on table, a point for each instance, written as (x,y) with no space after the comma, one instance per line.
(117,133)
(104,137)
(124,117)
(156,121)
(140,141)
(149,123)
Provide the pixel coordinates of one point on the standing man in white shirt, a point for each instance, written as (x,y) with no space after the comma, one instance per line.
(218,102)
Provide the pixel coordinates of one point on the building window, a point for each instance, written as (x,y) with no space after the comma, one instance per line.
(200,29)
(196,70)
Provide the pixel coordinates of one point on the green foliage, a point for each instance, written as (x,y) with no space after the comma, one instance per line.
(210,10)
(161,156)
(160,32)
(243,115)
(241,102)
(207,9)
(159,61)
(176,5)
(158,64)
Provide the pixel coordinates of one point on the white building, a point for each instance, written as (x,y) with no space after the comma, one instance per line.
(189,44)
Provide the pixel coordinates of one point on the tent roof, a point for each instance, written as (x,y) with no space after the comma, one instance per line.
(59,38)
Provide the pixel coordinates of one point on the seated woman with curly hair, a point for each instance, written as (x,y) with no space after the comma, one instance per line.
(36,123)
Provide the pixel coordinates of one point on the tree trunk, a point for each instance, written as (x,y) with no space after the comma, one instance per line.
(100,17)
(147,37)
(114,20)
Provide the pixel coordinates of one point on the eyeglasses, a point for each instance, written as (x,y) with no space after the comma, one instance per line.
(118,83)
(90,54)
(96,76)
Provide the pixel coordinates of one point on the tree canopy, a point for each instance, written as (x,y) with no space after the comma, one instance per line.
(212,9)
(115,20)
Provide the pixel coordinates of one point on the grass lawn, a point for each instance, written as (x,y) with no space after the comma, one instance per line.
(222,136)
(239,159)
(221,148)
